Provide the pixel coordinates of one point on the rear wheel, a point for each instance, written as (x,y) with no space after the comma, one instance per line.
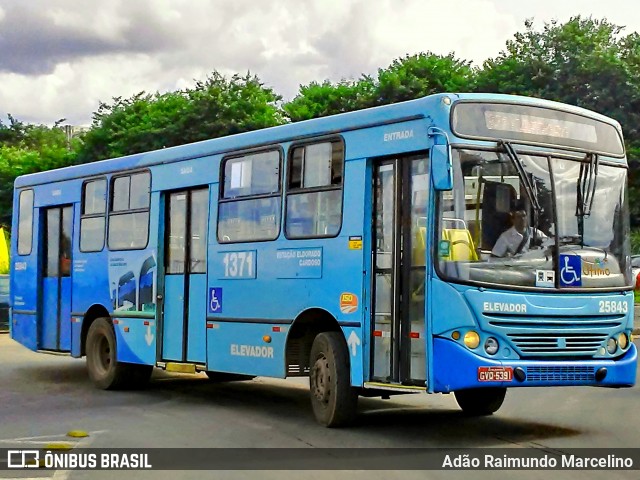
(103,368)
(333,399)
(480,401)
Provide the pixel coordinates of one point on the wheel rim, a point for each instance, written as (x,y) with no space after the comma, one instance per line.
(321,380)
(102,355)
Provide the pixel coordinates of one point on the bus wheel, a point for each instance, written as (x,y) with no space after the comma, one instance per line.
(104,370)
(333,399)
(480,401)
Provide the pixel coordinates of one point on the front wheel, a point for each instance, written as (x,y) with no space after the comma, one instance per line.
(480,401)
(333,399)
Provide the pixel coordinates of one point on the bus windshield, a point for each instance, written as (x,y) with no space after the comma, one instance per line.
(534,221)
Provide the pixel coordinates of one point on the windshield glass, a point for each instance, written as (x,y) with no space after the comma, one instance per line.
(498,224)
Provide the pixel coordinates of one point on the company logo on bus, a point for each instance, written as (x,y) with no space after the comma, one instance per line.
(348,302)
(596,268)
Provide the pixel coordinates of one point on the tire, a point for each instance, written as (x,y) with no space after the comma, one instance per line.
(480,401)
(219,377)
(104,370)
(333,399)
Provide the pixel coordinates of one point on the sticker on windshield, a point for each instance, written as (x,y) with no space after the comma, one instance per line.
(570,271)
(545,278)
(444,248)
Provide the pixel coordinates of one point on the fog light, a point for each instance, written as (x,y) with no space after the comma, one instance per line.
(623,341)
(491,346)
(612,345)
(471,339)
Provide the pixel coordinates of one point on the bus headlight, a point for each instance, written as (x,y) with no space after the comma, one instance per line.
(623,341)
(491,346)
(612,345)
(471,339)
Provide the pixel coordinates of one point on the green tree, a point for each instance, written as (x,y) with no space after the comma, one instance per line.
(410,77)
(322,99)
(416,76)
(215,107)
(25,149)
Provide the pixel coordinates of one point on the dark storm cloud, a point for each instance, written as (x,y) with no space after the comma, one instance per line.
(31,43)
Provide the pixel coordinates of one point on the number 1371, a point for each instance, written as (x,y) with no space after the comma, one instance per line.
(239,264)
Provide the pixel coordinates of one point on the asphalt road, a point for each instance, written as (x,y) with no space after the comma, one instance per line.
(42,397)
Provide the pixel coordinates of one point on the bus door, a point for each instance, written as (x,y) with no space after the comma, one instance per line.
(54,331)
(185,281)
(401,188)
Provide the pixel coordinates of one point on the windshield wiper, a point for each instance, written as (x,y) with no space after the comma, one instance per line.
(528,186)
(586,190)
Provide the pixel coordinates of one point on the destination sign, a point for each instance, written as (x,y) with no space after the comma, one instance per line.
(535,125)
(521,123)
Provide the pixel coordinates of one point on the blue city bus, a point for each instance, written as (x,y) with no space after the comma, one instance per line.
(457,243)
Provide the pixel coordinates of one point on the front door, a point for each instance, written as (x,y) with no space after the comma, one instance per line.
(185,281)
(55,322)
(401,189)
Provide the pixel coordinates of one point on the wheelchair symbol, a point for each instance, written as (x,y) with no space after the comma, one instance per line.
(568,273)
(215,300)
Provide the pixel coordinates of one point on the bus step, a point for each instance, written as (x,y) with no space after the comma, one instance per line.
(396,387)
(180,367)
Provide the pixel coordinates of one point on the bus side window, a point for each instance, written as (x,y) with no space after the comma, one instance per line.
(92,221)
(129,212)
(314,193)
(25,222)
(249,203)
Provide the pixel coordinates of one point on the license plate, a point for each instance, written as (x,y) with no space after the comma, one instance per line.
(495,374)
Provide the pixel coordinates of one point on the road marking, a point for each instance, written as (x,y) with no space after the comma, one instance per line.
(48,439)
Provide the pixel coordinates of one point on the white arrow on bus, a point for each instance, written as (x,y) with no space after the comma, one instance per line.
(353,342)
(149,336)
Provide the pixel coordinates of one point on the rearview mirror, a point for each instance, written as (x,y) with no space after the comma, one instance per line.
(441,167)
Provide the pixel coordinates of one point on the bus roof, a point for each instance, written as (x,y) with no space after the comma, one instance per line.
(381,115)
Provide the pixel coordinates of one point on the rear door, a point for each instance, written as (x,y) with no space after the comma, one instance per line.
(54,332)
(185,283)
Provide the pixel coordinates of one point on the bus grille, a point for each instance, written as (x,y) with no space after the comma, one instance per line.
(560,374)
(549,344)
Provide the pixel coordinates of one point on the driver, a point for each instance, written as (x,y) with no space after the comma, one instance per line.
(517,239)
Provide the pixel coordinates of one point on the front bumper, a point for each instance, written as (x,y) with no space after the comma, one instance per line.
(456,368)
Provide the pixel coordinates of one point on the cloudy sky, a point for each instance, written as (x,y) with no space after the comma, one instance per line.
(59,58)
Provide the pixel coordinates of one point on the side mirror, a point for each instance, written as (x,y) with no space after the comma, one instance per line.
(441,167)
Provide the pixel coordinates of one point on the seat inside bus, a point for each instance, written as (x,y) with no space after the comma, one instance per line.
(461,245)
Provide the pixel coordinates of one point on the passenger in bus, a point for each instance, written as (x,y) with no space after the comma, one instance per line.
(518,238)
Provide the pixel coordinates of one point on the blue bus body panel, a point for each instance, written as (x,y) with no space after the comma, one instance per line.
(197,339)
(24,330)
(65,314)
(49,323)
(241,348)
(91,288)
(456,368)
(576,318)
(131,338)
(173,329)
